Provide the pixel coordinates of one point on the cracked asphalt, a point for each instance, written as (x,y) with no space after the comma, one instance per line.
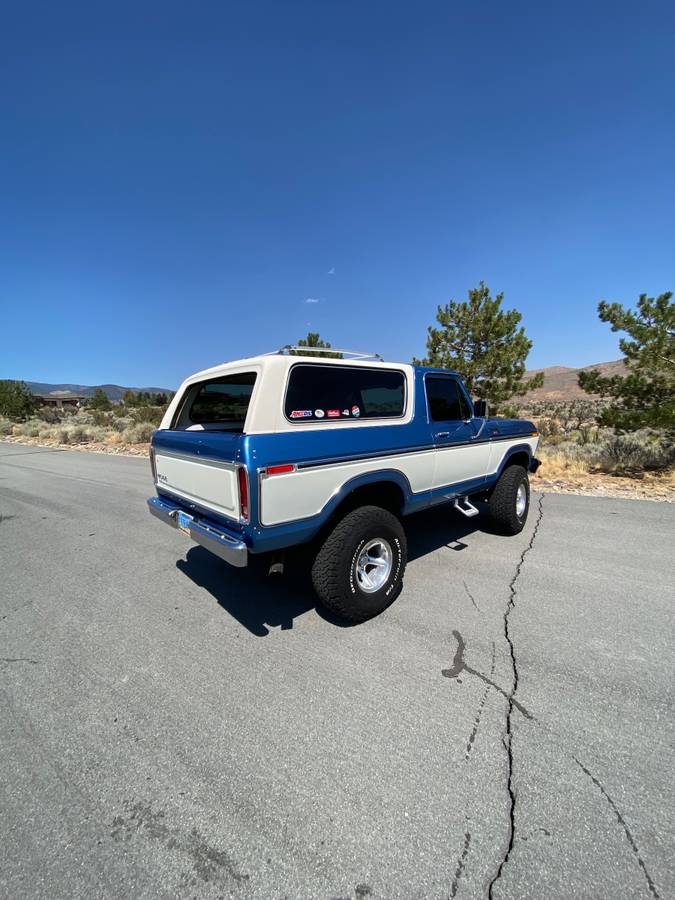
(170,727)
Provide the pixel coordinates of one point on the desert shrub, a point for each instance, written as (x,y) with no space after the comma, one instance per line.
(101,418)
(139,433)
(77,435)
(98,417)
(548,426)
(643,449)
(49,414)
(120,423)
(62,435)
(5,426)
(604,451)
(152,414)
(31,428)
(97,433)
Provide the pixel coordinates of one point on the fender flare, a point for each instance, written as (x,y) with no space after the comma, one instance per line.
(519,448)
(381,476)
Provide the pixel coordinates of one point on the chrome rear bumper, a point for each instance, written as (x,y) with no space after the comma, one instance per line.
(233,551)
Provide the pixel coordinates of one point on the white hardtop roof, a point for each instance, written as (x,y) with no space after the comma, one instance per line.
(282,361)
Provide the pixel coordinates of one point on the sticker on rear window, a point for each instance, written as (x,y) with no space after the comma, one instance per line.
(319,413)
(356,411)
(333,413)
(301,414)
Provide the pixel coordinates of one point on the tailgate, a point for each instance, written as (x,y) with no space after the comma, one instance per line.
(210,483)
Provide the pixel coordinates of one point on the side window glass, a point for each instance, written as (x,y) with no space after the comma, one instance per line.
(317,392)
(446,400)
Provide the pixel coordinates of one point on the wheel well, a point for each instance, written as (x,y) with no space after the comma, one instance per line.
(386,494)
(520,458)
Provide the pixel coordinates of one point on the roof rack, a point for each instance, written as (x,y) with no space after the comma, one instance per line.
(346,354)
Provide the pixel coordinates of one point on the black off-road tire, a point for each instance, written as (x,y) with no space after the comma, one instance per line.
(502,502)
(334,572)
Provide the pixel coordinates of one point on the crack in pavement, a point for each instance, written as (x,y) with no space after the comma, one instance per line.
(459,665)
(461,862)
(470,596)
(481,707)
(15,659)
(31,452)
(512,703)
(622,822)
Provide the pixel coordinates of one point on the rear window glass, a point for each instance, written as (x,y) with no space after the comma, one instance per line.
(220,404)
(317,392)
(446,400)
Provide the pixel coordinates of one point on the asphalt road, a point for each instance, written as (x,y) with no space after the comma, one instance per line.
(170,727)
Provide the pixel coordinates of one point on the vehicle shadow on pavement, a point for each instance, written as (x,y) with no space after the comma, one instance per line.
(432,529)
(262,602)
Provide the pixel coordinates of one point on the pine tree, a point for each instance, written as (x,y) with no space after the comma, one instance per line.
(645,397)
(484,344)
(313,339)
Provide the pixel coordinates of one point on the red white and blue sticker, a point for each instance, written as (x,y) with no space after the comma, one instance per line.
(333,413)
(301,414)
(356,412)
(319,413)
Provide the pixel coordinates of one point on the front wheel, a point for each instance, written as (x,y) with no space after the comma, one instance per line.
(509,502)
(359,569)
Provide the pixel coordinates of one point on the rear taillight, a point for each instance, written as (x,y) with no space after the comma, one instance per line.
(243,493)
(152,464)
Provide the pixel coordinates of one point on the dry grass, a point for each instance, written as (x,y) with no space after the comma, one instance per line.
(79,430)
(562,473)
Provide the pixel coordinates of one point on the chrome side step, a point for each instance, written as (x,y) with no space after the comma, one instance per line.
(464,505)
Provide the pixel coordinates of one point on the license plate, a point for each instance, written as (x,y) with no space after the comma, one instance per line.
(184,521)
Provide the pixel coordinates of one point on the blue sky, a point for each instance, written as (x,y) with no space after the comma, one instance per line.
(178,179)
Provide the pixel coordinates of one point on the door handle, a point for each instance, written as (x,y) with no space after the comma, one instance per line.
(440,434)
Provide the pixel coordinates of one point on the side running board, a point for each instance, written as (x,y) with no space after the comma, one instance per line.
(464,505)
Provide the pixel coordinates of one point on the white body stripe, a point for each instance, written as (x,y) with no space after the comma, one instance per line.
(304,493)
(209,483)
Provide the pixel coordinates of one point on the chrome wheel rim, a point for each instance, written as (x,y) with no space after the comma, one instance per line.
(521,500)
(373,566)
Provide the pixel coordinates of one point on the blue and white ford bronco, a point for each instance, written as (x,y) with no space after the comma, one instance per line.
(262,454)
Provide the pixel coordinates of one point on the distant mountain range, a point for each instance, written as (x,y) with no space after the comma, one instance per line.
(114,391)
(560,382)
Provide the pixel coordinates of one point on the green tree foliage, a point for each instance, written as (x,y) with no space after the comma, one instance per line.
(16,401)
(99,400)
(133,399)
(484,344)
(646,396)
(313,339)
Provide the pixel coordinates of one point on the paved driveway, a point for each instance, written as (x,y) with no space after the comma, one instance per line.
(170,727)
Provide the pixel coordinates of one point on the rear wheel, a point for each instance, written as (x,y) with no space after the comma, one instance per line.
(359,569)
(509,502)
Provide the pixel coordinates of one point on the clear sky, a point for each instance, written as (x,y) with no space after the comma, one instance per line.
(184,183)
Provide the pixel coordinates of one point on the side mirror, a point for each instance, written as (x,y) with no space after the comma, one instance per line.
(480,409)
